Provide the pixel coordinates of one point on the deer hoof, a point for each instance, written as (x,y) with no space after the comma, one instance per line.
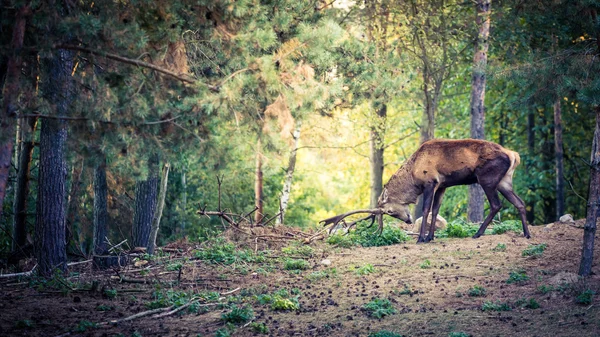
(476,236)
(527,236)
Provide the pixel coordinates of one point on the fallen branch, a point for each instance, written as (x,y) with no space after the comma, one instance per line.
(27,273)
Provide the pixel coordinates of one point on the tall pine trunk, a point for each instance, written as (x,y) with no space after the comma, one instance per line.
(10,93)
(258,185)
(589,230)
(100,209)
(183,200)
(558,155)
(162,194)
(73,240)
(289,175)
(145,205)
(50,247)
(530,162)
(26,131)
(377,149)
(482,20)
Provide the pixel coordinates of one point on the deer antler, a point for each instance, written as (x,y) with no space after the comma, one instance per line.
(334,220)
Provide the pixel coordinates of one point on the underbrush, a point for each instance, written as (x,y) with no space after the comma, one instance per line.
(460,228)
(221,251)
(368,236)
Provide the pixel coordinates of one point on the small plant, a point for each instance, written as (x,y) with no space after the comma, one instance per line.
(238,315)
(170,297)
(223,332)
(458,334)
(110,293)
(585,297)
(24,323)
(321,274)
(295,264)
(477,291)
(281,303)
(534,250)
(517,277)
(220,251)
(491,306)
(302,250)
(341,240)
(532,304)
(259,328)
(544,289)
(425,264)
(103,307)
(384,333)
(365,270)
(506,226)
(405,291)
(379,308)
(367,236)
(501,247)
(84,325)
(458,229)
(174,266)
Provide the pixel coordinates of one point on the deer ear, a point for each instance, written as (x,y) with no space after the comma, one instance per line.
(384,195)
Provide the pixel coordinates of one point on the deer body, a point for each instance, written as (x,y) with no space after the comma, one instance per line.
(439,164)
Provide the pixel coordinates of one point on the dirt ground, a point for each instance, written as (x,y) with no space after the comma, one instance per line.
(431,287)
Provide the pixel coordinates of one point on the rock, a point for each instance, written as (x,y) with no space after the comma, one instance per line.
(440,223)
(326,262)
(567,218)
(563,278)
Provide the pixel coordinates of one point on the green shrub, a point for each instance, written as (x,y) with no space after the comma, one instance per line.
(341,240)
(458,229)
(220,251)
(506,226)
(501,247)
(544,289)
(534,250)
(321,274)
(365,270)
(517,277)
(84,325)
(384,333)
(458,334)
(298,249)
(425,264)
(585,297)
(110,293)
(238,315)
(477,291)
(174,266)
(366,236)
(295,264)
(498,306)
(532,304)
(282,303)
(379,308)
(259,328)
(170,297)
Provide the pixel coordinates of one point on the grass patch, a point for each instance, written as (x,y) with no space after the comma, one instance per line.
(379,308)
(534,250)
(517,277)
(585,297)
(298,249)
(261,328)
(295,264)
(280,299)
(501,247)
(168,298)
(221,251)
(84,325)
(365,270)
(507,226)
(425,264)
(366,236)
(322,274)
(530,303)
(384,333)
(238,315)
(544,289)
(458,228)
(477,291)
(498,306)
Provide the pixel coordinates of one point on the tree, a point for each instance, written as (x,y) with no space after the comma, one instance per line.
(478,79)
(145,205)
(100,209)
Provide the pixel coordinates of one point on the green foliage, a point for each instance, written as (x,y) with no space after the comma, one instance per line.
(365,269)
(281,303)
(477,291)
(341,240)
(498,306)
(506,226)
(321,274)
(238,315)
(103,307)
(168,298)
(379,308)
(174,266)
(110,293)
(384,333)
(534,250)
(544,289)
(501,247)
(585,297)
(369,237)
(298,249)
(458,229)
(530,303)
(517,277)
(261,328)
(425,264)
(295,264)
(220,251)
(458,334)
(84,325)
(24,323)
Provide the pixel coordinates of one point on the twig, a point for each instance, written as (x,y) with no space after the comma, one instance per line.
(117,245)
(77,263)
(231,291)
(27,273)
(138,315)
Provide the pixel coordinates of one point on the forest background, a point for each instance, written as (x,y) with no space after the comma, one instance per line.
(229,100)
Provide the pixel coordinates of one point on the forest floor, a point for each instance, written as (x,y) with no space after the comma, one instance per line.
(450,287)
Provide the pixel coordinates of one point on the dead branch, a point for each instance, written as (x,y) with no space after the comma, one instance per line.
(338,218)
(27,273)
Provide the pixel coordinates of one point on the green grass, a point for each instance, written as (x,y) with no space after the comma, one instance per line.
(498,306)
(168,298)
(425,264)
(260,328)
(517,277)
(322,274)
(507,226)
(501,247)
(534,250)
(379,308)
(369,237)
(384,333)
(238,315)
(477,291)
(365,269)
(221,251)
(295,264)
(299,250)
(585,297)
(458,228)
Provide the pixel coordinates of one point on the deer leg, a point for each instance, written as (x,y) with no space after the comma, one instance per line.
(495,206)
(514,199)
(428,195)
(437,202)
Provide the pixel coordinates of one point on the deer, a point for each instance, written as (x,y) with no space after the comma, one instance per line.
(437,165)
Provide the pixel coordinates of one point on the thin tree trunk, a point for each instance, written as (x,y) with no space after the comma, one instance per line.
(258,185)
(145,205)
(27,132)
(589,230)
(73,206)
(377,149)
(530,161)
(100,209)
(427,132)
(183,200)
(162,194)
(10,92)
(289,175)
(558,154)
(478,79)
(548,200)
(51,211)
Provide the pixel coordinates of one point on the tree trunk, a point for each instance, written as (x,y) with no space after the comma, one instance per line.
(377,149)
(427,131)
(145,205)
(558,154)
(548,200)
(159,211)
(73,207)
(183,200)
(478,79)
(589,230)
(51,211)
(530,161)
(27,131)
(100,209)
(258,186)
(10,93)
(289,174)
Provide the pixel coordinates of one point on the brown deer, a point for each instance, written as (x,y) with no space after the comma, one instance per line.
(439,164)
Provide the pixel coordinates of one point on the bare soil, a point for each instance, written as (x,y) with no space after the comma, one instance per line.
(430,299)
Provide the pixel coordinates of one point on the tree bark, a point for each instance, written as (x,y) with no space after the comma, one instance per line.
(27,131)
(73,206)
(478,79)
(50,245)
(145,205)
(289,175)
(530,161)
(159,211)
(100,209)
(183,199)
(377,149)
(427,128)
(10,93)
(558,155)
(258,186)
(589,230)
